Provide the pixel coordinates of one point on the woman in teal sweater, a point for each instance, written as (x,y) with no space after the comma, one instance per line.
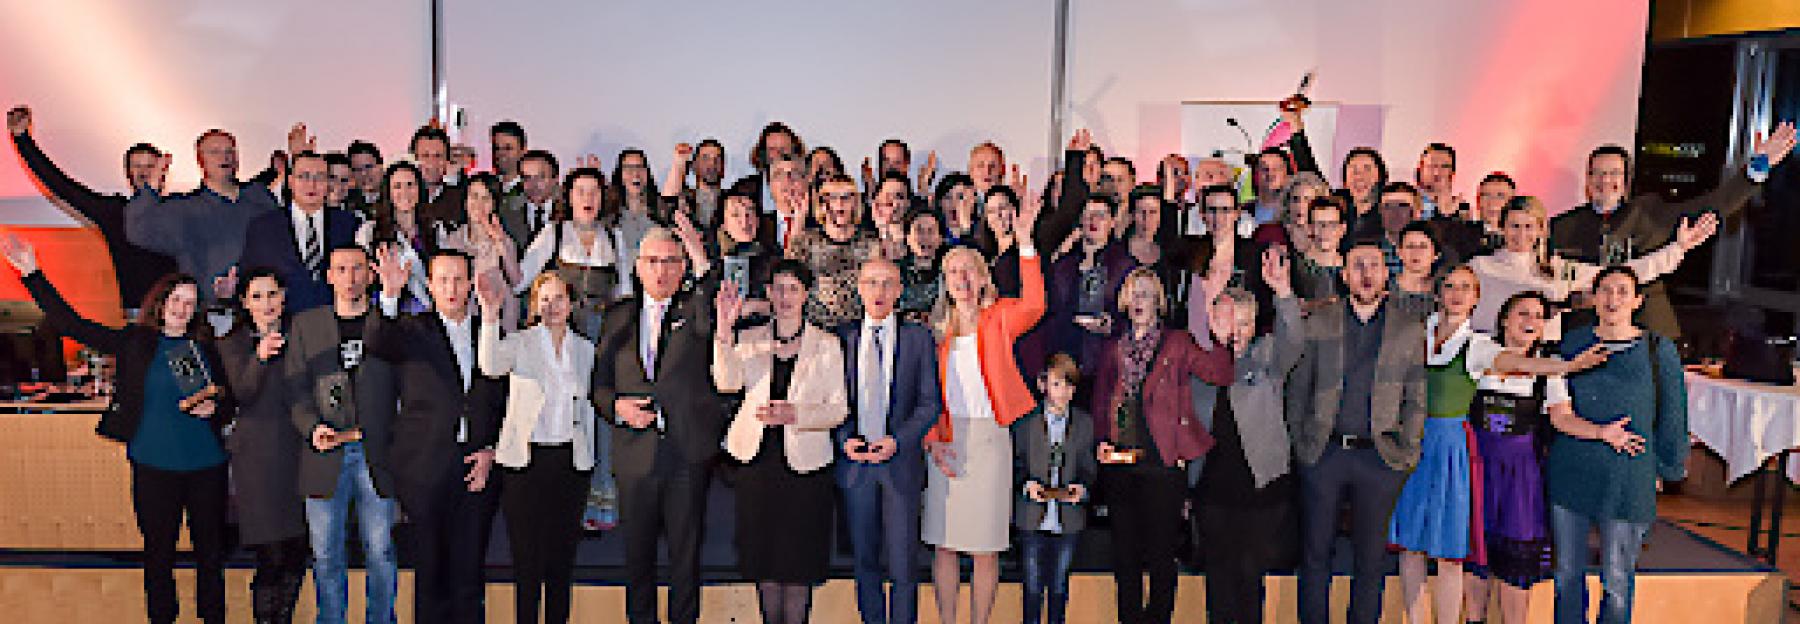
(1628,431)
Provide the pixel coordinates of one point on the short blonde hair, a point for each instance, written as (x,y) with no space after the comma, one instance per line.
(533,315)
(1140,274)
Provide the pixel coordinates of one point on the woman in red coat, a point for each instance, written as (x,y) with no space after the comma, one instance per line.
(1147,432)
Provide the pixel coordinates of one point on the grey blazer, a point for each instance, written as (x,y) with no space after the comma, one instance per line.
(1397,400)
(512,219)
(311,354)
(1031,462)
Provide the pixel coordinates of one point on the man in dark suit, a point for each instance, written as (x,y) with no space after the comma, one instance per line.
(294,241)
(443,435)
(891,370)
(136,268)
(1608,229)
(653,382)
(525,213)
(1356,412)
(343,405)
(441,192)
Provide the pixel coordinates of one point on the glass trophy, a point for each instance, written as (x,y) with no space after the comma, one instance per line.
(332,393)
(1127,420)
(1056,489)
(191,375)
(1090,302)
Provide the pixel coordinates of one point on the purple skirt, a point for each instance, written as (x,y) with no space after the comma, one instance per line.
(1517,519)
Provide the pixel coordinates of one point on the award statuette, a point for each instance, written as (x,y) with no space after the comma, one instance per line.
(1056,490)
(737,271)
(332,392)
(192,379)
(1127,418)
(1090,301)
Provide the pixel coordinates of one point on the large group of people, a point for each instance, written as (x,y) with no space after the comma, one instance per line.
(961,362)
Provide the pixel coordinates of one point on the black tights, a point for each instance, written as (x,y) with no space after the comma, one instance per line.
(280,569)
(784,603)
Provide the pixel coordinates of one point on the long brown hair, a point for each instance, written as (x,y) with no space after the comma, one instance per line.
(151,310)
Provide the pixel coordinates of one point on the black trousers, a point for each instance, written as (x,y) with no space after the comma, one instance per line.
(450,529)
(543,504)
(161,498)
(669,502)
(1241,546)
(1359,478)
(280,569)
(1145,503)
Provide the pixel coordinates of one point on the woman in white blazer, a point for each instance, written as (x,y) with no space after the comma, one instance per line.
(792,377)
(546,447)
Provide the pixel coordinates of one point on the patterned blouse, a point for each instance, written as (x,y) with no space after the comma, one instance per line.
(834,264)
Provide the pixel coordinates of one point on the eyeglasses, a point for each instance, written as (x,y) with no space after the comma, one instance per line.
(311,177)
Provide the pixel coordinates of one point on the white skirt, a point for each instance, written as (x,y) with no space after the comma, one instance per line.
(971,512)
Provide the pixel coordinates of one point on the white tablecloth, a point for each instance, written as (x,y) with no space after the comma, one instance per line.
(1744,422)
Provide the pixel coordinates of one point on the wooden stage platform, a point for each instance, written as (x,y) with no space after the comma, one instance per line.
(70,595)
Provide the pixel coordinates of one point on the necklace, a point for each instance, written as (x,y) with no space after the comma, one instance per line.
(787,340)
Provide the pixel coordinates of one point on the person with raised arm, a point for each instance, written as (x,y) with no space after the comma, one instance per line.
(172,403)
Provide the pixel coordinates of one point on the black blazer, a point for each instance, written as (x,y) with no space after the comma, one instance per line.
(424,451)
(269,242)
(133,346)
(694,413)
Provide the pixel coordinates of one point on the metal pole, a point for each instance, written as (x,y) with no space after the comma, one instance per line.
(440,91)
(1059,73)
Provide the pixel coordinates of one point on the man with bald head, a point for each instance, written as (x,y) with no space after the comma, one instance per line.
(891,370)
(653,383)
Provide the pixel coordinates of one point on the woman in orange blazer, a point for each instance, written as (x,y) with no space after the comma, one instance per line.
(968,492)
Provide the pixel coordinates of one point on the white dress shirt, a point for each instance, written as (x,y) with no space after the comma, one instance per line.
(556,422)
(462,342)
(874,386)
(308,226)
(650,321)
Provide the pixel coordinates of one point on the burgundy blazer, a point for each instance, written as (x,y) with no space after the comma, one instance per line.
(1168,403)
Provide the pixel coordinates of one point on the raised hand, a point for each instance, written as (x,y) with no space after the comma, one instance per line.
(1276,272)
(158,179)
(490,292)
(728,307)
(224,286)
(1776,146)
(299,140)
(1692,232)
(1030,206)
(684,152)
(18,120)
(1081,141)
(19,254)
(930,169)
(868,175)
(391,269)
(588,161)
(270,346)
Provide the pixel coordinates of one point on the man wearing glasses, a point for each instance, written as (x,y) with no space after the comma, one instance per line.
(653,383)
(1609,229)
(366,171)
(295,241)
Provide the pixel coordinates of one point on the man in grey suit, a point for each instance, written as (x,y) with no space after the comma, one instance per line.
(525,213)
(343,403)
(1356,404)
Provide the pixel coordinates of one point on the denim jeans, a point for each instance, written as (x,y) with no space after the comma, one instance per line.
(1046,558)
(1620,543)
(326,520)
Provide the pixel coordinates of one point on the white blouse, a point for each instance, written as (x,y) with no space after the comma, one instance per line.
(966,395)
(556,422)
(537,256)
(1506,273)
